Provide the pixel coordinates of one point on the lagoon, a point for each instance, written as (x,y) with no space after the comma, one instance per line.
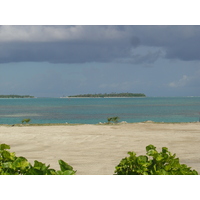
(95,110)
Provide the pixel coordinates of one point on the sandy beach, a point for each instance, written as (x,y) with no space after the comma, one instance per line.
(97,149)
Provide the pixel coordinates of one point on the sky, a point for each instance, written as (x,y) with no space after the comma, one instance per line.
(55,61)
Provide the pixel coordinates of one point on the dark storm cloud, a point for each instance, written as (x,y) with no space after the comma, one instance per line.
(186,50)
(135,41)
(80,44)
(63,44)
(61,52)
(179,42)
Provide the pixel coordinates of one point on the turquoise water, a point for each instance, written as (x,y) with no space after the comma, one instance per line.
(95,110)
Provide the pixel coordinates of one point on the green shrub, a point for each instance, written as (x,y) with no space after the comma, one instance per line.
(26,121)
(13,165)
(113,119)
(163,163)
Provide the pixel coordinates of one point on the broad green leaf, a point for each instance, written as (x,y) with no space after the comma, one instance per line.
(52,172)
(64,166)
(159,158)
(185,166)
(7,156)
(150,147)
(139,171)
(142,159)
(154,167)
(7,165)
(21,163)
(175,163)
(162,172)
(164,149)
(167,167)
(194,172)
(40,166)
(68,172)
(132,153)
(35,171)
(165,156)
(152,152)
(4,146)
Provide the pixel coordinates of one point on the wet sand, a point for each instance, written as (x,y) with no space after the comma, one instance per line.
(97,149)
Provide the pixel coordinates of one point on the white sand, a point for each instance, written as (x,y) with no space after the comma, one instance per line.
(97,149)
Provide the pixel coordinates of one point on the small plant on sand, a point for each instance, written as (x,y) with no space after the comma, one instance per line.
(26,121)
(163,163)
(10,164)
(113,119)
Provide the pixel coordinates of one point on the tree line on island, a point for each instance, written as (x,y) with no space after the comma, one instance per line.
(127,94)
(16,96)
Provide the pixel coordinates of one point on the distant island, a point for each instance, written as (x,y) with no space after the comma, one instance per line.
(16,96)
(110,95)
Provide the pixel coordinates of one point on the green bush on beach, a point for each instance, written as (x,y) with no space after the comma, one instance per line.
(26,121)
(10,164)
(113,119)
(163,163)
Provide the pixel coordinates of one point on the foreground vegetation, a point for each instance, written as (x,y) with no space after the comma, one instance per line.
(163,163)
(111,95)
(10,164)
(16,96)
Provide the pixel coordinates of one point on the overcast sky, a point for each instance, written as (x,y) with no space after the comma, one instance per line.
(52,61)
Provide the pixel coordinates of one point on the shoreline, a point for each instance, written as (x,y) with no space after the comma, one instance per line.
(94,149)
(99,124)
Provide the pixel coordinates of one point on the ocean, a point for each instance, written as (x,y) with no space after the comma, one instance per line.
(95,110)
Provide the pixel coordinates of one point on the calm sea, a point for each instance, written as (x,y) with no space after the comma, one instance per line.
(95,110)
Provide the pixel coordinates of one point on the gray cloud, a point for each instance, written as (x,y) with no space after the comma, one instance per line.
(60,33)
(179,42)
(148,58)
(135,41)
(80,44)
(61,52)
